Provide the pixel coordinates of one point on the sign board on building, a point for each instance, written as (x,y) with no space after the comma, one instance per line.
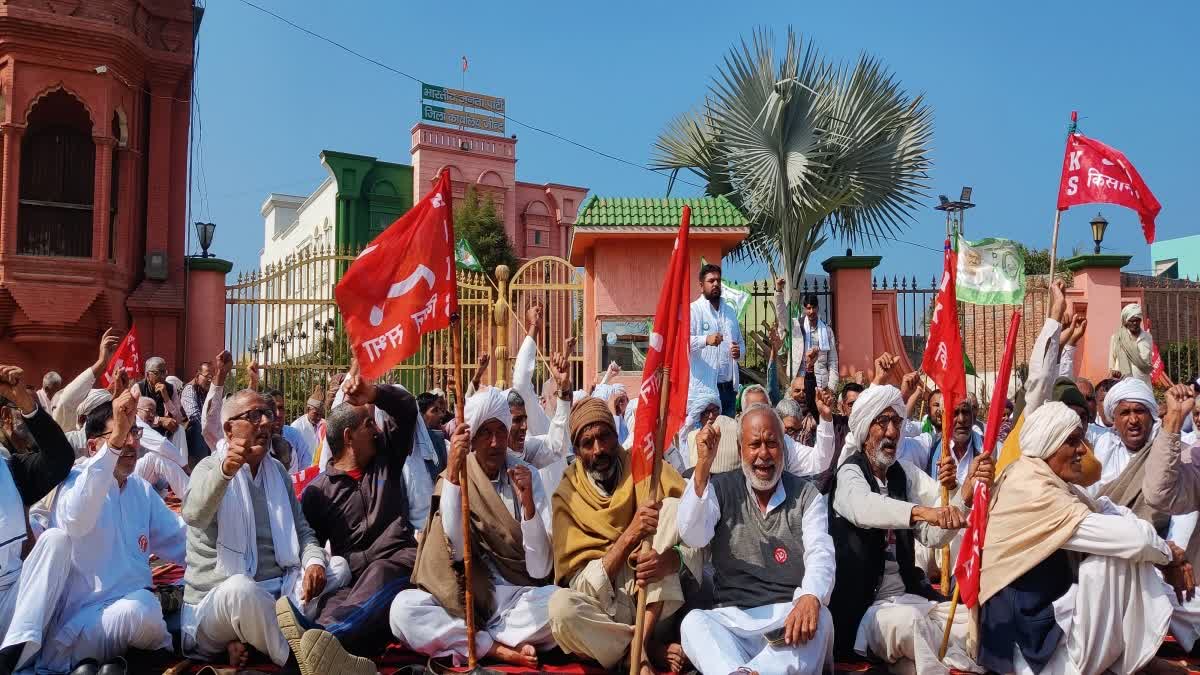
(470,99)
(460,118)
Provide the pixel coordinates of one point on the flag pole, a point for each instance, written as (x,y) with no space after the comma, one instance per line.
(465,490)
(1054,248)
(639,626)
(949,623)
(947,439)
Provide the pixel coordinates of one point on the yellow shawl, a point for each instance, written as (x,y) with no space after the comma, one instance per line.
(587,523)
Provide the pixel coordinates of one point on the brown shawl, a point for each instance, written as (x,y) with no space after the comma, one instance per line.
(495,536)
(1033,514)
(587,523)
(1126,490)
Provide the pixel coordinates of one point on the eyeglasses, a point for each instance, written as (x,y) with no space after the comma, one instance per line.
(135,433)
(885,422)
(255,415)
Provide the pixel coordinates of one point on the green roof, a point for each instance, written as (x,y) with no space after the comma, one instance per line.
(658,212)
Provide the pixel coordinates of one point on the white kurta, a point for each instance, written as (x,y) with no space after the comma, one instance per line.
(713,364)
(547,448)
(522,612)
(722,640)
(107,607)
(803,460)
(307,432)
(30,597)
(522,383)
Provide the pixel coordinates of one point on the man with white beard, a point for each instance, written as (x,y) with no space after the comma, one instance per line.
(768,536)
(882,604)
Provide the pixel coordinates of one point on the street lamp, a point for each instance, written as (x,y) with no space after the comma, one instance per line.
(204,232)
(954,210)
(1099,224)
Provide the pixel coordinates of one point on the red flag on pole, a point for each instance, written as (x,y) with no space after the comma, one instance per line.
(127,357)
(1096,173)
(402,285)
(943,360)
(1158,370)
(668,349)
(970,554)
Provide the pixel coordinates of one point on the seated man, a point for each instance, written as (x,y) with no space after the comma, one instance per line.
(163,460)
(772,556)
(882,603)
(510,558)
(359,507)
(156,387)
(31,574)
(598,530)
(298,451)
(542,450)
(115,521)
(248,545)
(1037,613)
(307,424)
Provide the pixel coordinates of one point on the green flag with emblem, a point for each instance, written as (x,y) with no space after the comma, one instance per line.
(990,272)
(465,258)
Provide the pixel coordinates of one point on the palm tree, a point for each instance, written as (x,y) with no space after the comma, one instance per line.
(806,149)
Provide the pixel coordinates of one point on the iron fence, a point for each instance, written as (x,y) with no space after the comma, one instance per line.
(760,313)
(1171,309)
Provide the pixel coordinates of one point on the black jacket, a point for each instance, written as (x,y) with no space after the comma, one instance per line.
(367,519)
(37,473)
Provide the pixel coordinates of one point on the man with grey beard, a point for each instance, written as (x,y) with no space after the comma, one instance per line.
(768,536)
(882,603)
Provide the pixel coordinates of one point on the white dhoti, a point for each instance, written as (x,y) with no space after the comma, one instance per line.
(103,632)
(240,609)
(907,630)
(522,617)
(720,641)
(1185,619)
(1113,619)
(28,606)
(153,467)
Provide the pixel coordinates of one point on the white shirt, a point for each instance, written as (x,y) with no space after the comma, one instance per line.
(309,433)
(697,520)
(302,452)
(113,532)
(1113,457)
(856,502)
(711,365)
(1115,532)
(522,383)
(535,532)
(153,441)
(803,460)
(544,450)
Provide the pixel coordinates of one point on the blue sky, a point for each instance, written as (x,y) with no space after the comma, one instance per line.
(1002,79)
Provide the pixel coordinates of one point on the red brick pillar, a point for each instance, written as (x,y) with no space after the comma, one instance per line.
(1098,277)
(850,282)
(12,185)
(101,196)
(205,316)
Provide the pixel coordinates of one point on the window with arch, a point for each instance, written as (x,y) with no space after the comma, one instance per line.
(57,185)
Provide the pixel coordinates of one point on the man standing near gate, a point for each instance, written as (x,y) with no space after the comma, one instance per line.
(716,343)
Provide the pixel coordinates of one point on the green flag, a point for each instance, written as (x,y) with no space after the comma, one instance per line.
(465,258)
(968,367)
(990,272)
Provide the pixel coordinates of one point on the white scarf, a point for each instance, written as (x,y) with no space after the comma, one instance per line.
(12,517)
(237,540)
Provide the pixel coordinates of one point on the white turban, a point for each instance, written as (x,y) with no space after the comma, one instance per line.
(1133,390)
(871,403)
(175,382)
(699,399)
(602,392)
(488,403)
(1046,429)
(1130,311)
(94,399)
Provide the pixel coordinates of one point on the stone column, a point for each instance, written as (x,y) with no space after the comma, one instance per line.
(850,281)
(205,316)
(101,196)
(12,186)
(1098,277)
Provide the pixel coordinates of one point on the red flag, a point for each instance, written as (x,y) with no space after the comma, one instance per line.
(943,360)
(402,285)
(303,477)
(1096,173)
(970,554)
(1158,370)
(464,65)
(668,349)
(127,356)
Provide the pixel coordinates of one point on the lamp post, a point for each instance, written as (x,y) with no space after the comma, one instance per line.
(1099,224)
(955,210)
(204,233)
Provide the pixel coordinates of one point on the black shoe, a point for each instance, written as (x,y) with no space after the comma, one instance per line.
(117,666)
(87,667)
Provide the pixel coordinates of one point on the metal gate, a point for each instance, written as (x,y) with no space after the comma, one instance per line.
(558,287)
(285,320)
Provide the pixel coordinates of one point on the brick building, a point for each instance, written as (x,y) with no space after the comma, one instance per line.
(94,113)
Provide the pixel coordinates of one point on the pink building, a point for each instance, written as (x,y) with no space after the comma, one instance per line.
(537,217)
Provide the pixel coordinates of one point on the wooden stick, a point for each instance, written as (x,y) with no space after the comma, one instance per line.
(947,439)
(949,623)
(1054,249)
(639,625)
(465,489)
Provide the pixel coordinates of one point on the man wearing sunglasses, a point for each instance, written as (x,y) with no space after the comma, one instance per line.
(29,573)
(248,544)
